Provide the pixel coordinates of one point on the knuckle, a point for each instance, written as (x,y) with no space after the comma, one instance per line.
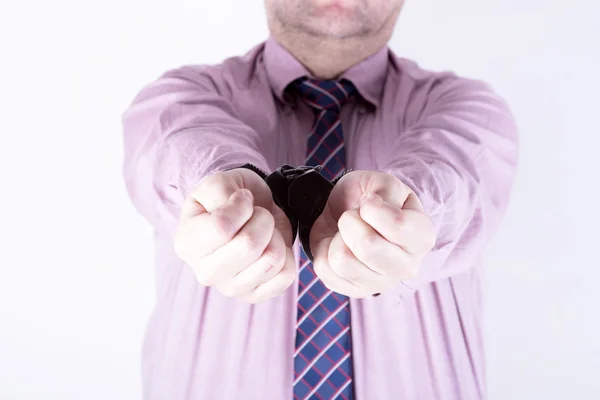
(275,256)
(252,299)
(180,247)
(180,237)
(253,240)
(366,245)
(329,285)
(349,274)
(289,276)
(390,180)
(255,299)
(400,220)
(347,271)
(328,282)
(340,261)
(250,242)
(346,219)
(430,239)
(203,277)
(285,279)
(228,291)
(318,267)
(383,286)
(232,290)
(209,185)
(264,216)
(184,248)
(409,272)
(271,269)
(223,224)
(220,179)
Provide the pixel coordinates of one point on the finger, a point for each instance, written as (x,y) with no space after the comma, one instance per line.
(409,228)
(325,227)
(278,284)
(413,203)
(266,267)
(204,233)
(345,265)
(283,225)
(244,249)
(329,278)
(373,250)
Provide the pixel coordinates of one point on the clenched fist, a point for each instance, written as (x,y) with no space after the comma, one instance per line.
(372,234)
(236,238)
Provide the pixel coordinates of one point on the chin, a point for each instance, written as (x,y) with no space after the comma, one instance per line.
(334,28)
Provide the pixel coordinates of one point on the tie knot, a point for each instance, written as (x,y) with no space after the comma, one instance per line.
(325,94)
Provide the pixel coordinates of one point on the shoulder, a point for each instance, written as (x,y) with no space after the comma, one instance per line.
(423,92)
(429,86)
(233,74)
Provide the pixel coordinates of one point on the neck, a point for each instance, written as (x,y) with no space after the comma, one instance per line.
(328,59)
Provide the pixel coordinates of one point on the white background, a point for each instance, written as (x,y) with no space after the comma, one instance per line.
(75,259)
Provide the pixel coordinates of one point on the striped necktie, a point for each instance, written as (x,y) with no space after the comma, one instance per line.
(322,357)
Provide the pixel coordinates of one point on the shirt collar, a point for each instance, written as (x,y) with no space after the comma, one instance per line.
(283,68)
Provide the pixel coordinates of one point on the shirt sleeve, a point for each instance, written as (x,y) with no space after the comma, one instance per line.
(178,130)
(460,158)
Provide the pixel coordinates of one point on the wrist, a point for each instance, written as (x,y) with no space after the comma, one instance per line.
(254,168)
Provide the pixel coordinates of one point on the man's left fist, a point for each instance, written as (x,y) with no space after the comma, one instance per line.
(372,234)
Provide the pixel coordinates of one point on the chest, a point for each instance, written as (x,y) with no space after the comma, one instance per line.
(367,134)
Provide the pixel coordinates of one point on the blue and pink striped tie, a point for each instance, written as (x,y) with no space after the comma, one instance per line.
(322,358)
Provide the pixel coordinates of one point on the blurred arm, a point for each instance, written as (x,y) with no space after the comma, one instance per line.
(179,130)
(460,158)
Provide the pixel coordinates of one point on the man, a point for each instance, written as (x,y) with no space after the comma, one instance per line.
(241,311)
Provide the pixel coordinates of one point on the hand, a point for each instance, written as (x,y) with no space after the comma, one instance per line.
(235,238)
(372,234)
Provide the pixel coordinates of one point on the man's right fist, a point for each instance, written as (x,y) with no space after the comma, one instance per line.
(236,238)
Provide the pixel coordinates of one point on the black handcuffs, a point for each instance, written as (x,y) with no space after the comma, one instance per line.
(302,193)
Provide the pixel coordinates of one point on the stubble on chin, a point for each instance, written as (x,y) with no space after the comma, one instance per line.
(300,19)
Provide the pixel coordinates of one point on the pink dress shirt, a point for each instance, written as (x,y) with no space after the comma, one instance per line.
(451,139)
